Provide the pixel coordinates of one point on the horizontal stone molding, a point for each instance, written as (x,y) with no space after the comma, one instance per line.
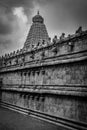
(71,90)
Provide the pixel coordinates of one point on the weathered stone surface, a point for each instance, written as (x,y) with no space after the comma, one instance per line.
(51,77)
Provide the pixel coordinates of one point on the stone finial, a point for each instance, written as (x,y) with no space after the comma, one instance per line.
(69,35)
(13,53)
(17,51)
(38,12)
(55,39)
(55,36)
(2,57)
(43,42)
(79,30)
(62,36)
(49,39)
(38,44)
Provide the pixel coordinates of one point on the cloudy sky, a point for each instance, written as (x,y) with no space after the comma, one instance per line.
(59,15)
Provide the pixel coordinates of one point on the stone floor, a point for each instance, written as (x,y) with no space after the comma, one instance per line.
(10,120)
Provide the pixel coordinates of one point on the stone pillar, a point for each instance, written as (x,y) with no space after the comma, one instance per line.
(36,99)
(22,101)
(37,76)
(0,93)
(29,74)
(31,102)
(33,77)
(26,101)
(25,78)
(17,99)
(41,102)
(21,78)
(43,75)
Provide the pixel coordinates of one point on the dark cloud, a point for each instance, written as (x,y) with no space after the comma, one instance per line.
(61,16)
(10,4)
(65,15)
(6,15)
(11,28)
(4,28)
(64,9)
(77,9)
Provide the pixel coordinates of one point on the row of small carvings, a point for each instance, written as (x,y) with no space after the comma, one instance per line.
(21,59)
(38,96)
(43,44)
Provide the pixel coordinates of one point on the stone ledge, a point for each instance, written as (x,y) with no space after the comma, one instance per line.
(70,91)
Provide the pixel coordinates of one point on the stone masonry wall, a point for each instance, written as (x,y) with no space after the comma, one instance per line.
(63,74)
(72,108)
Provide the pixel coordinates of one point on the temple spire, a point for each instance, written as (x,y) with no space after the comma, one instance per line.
(37,32)
(38,12)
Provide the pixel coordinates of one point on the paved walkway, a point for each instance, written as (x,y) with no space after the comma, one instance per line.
(10,120)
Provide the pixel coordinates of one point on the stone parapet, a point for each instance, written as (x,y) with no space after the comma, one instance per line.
(69,45)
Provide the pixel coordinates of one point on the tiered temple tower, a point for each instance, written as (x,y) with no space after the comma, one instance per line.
(47,79)
(37,32)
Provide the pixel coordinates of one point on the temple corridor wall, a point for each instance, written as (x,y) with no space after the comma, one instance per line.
(69,107)
(62,74)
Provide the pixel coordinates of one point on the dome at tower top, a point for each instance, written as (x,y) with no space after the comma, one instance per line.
(37,32)
(38,18)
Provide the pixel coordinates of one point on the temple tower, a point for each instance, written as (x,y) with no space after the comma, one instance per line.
(37,32)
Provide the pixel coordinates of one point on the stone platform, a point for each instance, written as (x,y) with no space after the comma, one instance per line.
(10,120)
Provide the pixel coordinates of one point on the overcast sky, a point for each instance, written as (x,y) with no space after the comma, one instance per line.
(59,16)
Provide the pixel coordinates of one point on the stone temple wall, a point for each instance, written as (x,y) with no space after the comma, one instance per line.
(68,107)
(62,74)
(50,80)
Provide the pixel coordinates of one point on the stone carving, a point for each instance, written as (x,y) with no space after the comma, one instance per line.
(62,36)
(16,60)
(55,39)
(55,50)
(71,46)
(79,30)
(23,59)
(10,62)
(37,31)
(43,54)
(32,56)
(43,72)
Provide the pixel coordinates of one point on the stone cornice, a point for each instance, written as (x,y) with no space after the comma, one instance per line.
(80,90)
(68,58)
